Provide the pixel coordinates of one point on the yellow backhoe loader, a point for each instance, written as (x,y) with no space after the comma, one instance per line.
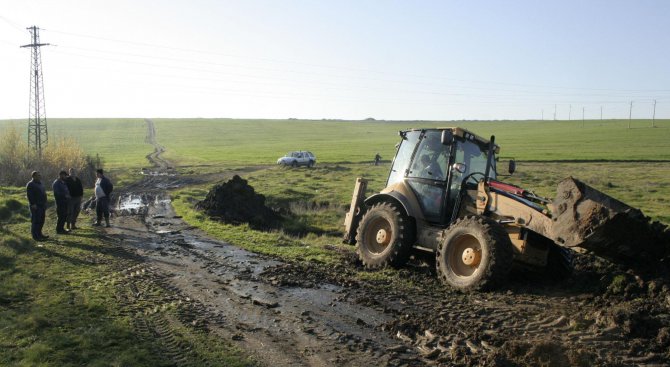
(443,195)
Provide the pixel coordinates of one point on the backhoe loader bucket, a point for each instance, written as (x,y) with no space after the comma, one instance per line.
(587,218)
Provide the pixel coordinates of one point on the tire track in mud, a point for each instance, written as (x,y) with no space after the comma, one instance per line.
(562,328)
(155,307)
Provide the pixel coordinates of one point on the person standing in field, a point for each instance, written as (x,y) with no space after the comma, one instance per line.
(103,189)
(62,196)
(74,204)
(37,199)
(378,158)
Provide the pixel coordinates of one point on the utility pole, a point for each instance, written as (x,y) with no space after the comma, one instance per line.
(554,112)
(543,114)
(653,118)
(601,113)
(570,113)
(37,120)
(630,113)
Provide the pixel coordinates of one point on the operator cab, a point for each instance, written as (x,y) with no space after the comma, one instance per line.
(434,163)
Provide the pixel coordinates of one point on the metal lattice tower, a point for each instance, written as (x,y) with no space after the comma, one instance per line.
(37,120)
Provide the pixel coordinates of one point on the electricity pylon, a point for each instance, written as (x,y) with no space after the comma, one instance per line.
(37,120)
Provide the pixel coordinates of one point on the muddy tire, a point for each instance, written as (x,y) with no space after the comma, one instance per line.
(475,255)
(384,237)
(294,164)
(560,263)
(310,164)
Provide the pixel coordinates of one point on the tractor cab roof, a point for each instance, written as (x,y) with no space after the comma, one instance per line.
(461,133)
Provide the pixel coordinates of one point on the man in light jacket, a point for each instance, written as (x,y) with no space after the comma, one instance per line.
(103,190)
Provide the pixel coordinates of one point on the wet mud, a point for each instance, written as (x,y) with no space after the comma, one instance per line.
(309,314)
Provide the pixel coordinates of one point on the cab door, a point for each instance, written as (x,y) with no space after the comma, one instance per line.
(428,174)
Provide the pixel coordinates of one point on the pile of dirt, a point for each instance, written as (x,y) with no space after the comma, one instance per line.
(237,202)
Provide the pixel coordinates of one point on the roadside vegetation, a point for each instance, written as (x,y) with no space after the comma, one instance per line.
(18,160)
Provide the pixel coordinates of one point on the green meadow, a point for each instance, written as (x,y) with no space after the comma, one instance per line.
(207,144)
(203,142)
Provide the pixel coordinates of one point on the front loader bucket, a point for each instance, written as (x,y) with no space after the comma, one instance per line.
(587,218)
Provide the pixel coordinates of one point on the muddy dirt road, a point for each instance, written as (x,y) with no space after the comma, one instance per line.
(308,315)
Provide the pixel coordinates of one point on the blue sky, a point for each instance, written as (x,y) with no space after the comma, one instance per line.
(434,60)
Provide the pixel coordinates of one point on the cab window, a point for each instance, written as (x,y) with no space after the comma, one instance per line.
(403,157)
(431,159)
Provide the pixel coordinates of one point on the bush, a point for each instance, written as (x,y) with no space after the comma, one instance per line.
(17,160)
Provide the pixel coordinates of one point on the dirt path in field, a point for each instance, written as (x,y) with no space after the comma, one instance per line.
(311,315)
(161,166)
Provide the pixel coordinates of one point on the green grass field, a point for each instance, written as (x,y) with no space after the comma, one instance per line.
(206,144)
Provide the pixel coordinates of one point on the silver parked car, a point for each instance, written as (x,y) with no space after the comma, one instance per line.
(298,158)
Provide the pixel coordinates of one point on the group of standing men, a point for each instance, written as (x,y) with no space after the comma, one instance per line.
(68,193)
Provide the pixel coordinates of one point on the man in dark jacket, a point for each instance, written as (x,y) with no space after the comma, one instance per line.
(103,190)
(74,204)
(37,199)
(62,195)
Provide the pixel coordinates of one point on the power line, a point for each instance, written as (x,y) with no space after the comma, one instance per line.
(367,71)
(294,81)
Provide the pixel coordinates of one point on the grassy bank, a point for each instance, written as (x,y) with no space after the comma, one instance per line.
(65,302)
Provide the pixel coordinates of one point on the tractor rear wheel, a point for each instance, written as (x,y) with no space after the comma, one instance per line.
(384,237)
(476,254)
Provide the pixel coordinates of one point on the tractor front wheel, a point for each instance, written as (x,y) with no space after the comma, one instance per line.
(476,254)
(384,237)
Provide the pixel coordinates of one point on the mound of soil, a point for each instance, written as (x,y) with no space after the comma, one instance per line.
(237,202)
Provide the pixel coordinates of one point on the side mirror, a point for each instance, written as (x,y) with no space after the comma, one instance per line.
(447,137)
(512,167)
